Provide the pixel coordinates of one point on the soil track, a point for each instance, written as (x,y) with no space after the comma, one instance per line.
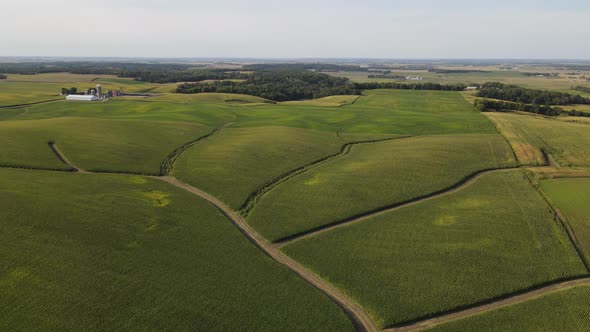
(379,211)
(428,323)
(359,317)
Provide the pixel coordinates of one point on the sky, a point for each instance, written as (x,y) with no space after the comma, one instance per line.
(417,29)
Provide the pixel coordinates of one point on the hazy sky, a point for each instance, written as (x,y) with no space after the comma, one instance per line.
(302,28)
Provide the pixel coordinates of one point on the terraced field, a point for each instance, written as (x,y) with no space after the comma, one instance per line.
(380,112)
(567,143)
(571,196)
(567,310)
(239,161)
(399,200)
(492,238)
(126,252)
(374,176)
(94,144)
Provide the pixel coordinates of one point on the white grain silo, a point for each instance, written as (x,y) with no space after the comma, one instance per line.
(99,90)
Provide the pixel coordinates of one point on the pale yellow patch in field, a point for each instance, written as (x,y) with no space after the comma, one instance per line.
(446,220)
(526,153)
(158,198)
(152,225)
(356,166)
(137,180)
(314,181)
(470,203)
(14,276)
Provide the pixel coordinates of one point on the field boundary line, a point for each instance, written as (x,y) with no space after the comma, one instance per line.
(359,317)
(30,104)
(167,165)
(504,301)
(462,184)
(256,195)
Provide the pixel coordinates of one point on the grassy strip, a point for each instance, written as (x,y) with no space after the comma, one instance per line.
(30,104)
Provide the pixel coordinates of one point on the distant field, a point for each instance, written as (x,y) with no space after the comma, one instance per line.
(238,161)
(572,197)
(325,101)
(567,310)
(48,88)
(59,78)
(567,143)
(95,144)
(132,253)
(491,238)
(379,112)
(375,175)
(563,83)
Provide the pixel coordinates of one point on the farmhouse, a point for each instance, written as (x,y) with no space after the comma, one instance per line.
(82,97)
(470,88)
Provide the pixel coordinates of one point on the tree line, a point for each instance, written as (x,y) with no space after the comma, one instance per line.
(3,77)
(409,86)
(278,86)
(517,94)
(486,105)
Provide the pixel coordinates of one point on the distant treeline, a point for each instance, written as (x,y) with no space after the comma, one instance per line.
(519,94)
(409,86)
(541,74)
(278,85)
(484,105)
(304,66)
(173,76)
(582,88)
(2,77)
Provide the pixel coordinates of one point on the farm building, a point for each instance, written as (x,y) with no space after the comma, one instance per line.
(470,88)
(82,97)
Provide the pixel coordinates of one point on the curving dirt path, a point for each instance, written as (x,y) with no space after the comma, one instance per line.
(360,318)
(428,323)
(380,211)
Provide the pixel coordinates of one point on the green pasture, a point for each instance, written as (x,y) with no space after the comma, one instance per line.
(568,143)
(98,252)
(572,197)
(492,238)
(567,310)
(237,161)
(375,175)
(94,144)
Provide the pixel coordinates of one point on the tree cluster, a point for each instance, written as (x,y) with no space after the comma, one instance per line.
(517,94)
(2,77)
(582,88)
(278,85)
